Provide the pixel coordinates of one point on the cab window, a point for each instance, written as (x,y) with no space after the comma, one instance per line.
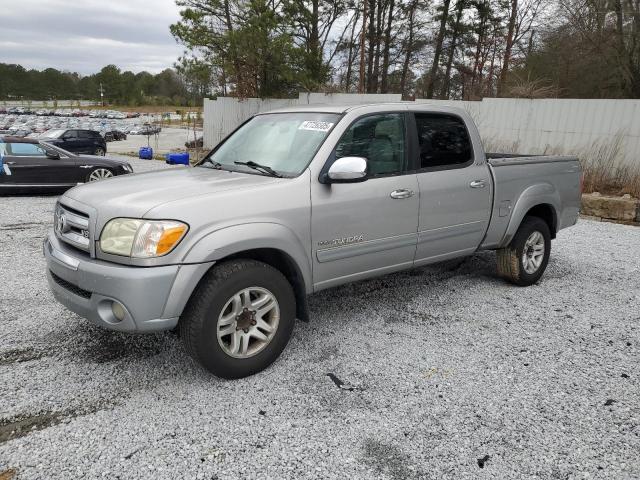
(25,150)
(378,138)
(443,141)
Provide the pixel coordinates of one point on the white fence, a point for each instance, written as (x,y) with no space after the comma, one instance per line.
(586,128)
(221,116)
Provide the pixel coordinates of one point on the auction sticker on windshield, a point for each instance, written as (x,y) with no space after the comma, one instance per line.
(316,126)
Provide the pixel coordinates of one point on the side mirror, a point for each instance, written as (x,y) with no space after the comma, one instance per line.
(53,155)
(348,169)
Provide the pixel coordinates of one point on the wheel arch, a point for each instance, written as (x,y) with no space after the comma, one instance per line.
(273,244)
(540,200)
(547,213)
(282,262)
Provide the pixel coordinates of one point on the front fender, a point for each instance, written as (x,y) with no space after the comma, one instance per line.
(227,241)
(538,194)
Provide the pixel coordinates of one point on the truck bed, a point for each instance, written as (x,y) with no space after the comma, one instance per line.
(517,177)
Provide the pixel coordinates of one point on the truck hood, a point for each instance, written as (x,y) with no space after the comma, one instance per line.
(134,195)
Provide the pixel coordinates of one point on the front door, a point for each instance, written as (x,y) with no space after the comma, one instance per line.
(367,228)
(72,142)
(455,189)
(30,165)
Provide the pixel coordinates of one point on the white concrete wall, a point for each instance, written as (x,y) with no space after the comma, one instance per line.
(587,128)
(221,116)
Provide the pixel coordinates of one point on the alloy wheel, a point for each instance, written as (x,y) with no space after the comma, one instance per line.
(533,252)
(100,174)
(248,322)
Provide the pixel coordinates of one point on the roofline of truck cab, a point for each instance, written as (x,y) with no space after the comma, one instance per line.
(345,108)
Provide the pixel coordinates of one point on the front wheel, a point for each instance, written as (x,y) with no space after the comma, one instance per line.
(99,174)
(525,259)
(99,152)
(239,319)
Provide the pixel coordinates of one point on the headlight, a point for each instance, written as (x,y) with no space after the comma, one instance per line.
(136,238)
(127,168)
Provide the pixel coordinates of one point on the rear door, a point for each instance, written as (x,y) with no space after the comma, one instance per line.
(30,166)
(367,228)
(71,141)
(455,188)
(87,140)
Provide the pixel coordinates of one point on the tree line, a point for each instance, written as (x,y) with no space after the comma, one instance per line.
(168,87)
(457,49)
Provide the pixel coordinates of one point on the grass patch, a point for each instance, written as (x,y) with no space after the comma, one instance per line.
(602,166)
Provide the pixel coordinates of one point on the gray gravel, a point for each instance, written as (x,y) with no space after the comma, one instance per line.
(445,372)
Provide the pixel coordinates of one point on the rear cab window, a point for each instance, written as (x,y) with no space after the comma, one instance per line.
(443,141)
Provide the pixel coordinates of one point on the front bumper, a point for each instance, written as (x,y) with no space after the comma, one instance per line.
(152,297)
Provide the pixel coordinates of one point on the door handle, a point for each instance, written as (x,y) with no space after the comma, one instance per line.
(401,193)
(10,163)
(477,184)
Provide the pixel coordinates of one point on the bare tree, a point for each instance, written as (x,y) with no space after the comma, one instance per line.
(438,48)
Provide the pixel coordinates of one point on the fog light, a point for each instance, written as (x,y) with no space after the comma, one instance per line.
(118,311)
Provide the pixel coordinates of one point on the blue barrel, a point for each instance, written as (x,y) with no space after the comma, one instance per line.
(146,153)
(177,158)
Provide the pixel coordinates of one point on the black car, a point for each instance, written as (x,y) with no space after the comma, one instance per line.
(29,164)
(114,135)
(77,141)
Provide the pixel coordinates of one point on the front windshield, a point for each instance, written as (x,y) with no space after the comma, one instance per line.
(52,134)
(284,142)
(55,149)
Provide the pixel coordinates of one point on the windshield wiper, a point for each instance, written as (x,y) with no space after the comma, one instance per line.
(263,168)
(214,164)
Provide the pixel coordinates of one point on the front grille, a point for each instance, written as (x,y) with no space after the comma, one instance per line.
(72,227)
(70,286)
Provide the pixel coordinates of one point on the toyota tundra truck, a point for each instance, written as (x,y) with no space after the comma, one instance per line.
(292,202)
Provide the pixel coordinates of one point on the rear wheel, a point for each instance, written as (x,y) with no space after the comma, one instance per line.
(99,151)
(99,174)
(239,319)
(525,259)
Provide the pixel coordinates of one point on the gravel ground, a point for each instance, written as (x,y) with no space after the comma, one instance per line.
(440,372)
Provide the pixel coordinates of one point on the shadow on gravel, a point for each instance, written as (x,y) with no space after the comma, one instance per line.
(22,425)
(389,460)
(18,355)
(23,226)
(87,343)
(406,286)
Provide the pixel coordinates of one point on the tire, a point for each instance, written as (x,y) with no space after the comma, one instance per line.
(99,151)
(99,173)
(203,320)
(522,267)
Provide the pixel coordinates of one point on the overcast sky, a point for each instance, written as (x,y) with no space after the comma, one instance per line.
(85,35)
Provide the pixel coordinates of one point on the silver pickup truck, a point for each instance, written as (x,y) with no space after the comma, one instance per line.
(293,202)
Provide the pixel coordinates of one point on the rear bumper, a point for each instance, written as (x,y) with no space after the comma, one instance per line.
(152,297)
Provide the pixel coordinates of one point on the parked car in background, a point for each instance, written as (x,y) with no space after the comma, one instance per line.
(198,143)
(35,165)
(146,129)
(77,141)
(114,135)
